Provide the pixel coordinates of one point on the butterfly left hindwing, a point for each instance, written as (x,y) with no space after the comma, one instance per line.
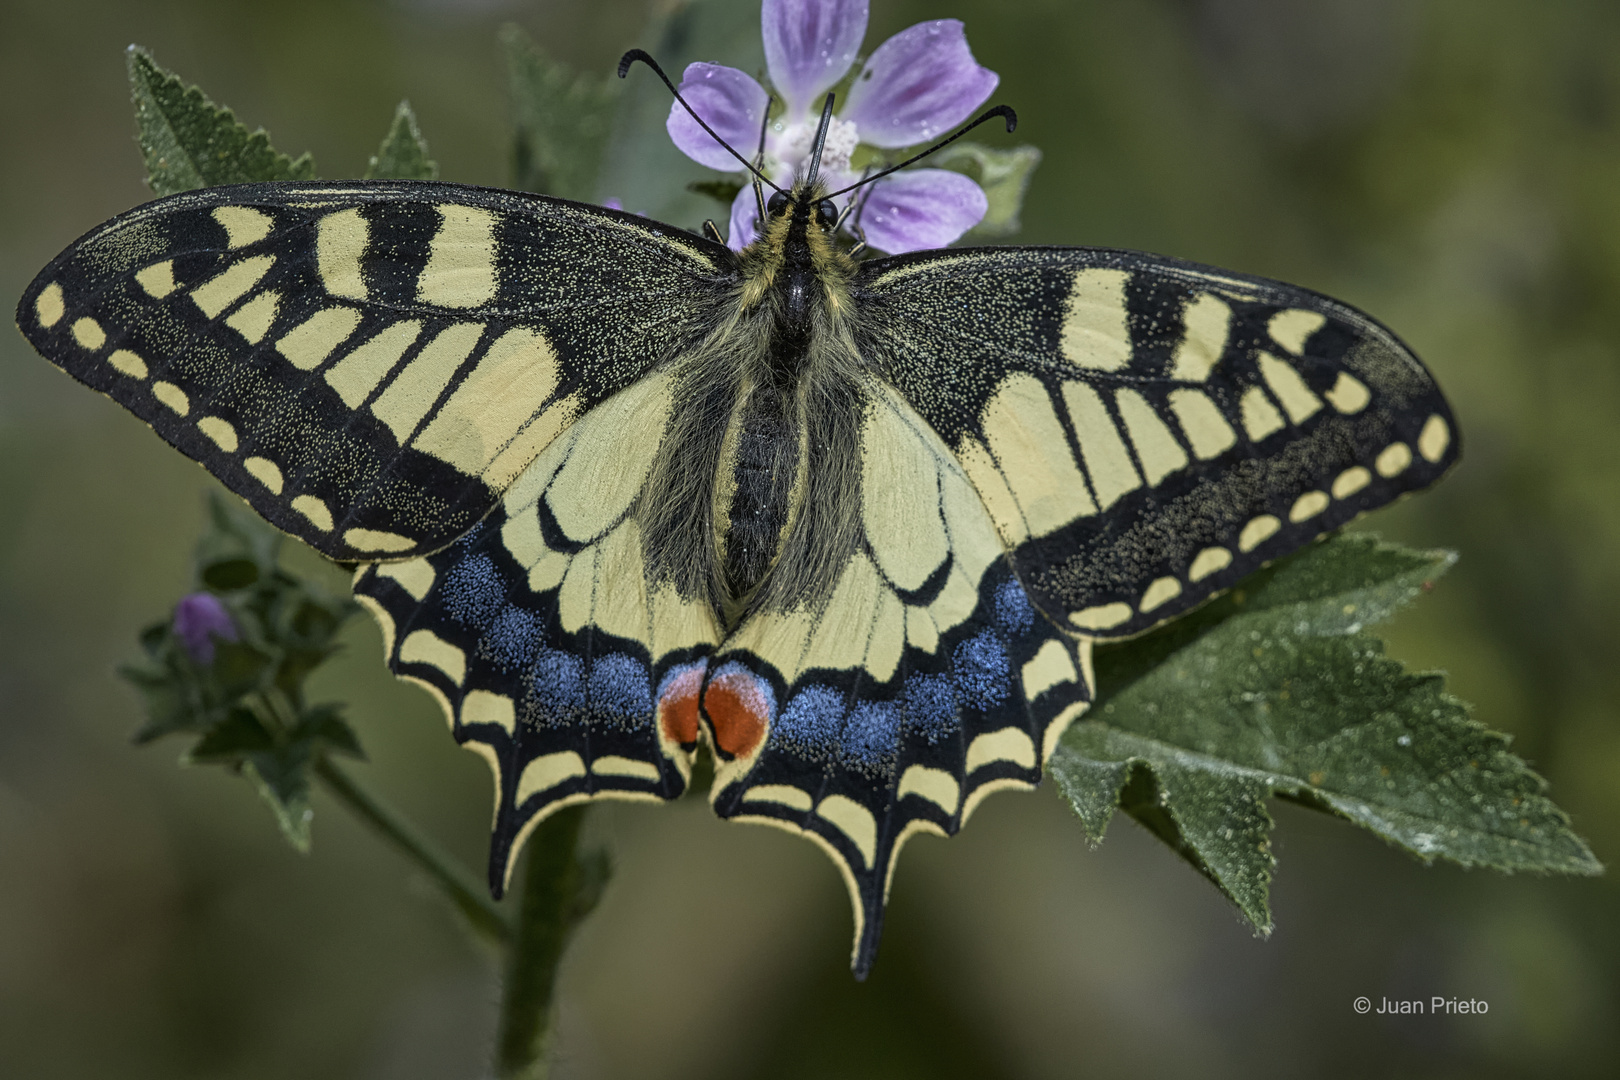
(539,631)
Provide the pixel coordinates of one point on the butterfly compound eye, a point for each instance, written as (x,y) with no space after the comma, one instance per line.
(826,215)
(777,203)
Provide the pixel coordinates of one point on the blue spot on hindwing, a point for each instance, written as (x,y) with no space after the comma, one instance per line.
(982,672)
(810,724)
(513,637)
(1014,613)
(871,737)
(557,686)
(620,690)
(930,707)
(473,592)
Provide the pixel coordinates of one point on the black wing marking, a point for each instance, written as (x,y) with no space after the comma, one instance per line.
(1145,431)
(368,365)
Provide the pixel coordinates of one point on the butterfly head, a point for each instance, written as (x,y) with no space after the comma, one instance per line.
(799,236)
(808,199)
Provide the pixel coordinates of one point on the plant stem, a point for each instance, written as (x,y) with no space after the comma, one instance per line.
(464,891)
(557,893)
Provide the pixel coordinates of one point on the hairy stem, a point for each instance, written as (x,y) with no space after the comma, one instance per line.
(464,891)
(558,891)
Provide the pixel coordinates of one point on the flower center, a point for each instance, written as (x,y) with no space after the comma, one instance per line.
(789,144)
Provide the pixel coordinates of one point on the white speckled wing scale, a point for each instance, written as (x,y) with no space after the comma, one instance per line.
(1145,431)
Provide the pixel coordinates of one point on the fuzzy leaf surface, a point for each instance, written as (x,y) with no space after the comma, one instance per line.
(403,154)
(1275,688)
(561,122)
(189,142)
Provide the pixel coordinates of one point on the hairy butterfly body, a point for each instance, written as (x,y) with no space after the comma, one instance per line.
(617,490)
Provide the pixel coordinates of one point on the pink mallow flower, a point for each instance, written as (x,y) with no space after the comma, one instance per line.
(915,87)
(198,620)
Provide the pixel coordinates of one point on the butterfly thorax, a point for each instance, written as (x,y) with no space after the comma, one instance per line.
(770,410)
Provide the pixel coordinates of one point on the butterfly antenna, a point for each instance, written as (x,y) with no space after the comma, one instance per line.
(999,110)
(638,54)
(821,140)
(759,154)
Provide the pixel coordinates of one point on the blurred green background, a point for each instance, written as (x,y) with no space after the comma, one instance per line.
(1452,166)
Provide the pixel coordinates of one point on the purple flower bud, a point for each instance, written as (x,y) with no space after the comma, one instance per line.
(198,620)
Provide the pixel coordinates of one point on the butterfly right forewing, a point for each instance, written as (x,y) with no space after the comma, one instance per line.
(1145,431)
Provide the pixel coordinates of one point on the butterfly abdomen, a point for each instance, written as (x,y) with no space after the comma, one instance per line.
(764,461)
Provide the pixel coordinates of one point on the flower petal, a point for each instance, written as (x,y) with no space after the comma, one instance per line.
(921,208)
(731,102)
(918,85)
(809,45)
(744,219)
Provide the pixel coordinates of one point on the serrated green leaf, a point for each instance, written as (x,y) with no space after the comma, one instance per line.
(403,154)
(1275,689)
(189,142)
(561,120)
(1003,174)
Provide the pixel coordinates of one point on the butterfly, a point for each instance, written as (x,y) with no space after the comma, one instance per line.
(616,492)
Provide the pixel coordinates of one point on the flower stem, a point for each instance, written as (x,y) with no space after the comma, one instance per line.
(487,920)
(559,890)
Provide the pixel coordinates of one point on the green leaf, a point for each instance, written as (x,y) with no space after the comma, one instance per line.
(1275,689)
(189,142)
(238,550)
(241,733)
(403,154)
(281,776)
(561,120)
(1004,176)
(323,726)
(172,702)
(238,667)
(723,192)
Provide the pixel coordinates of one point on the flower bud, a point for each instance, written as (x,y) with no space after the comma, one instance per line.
(198,620)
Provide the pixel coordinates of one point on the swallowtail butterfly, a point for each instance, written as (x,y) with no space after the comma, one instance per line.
(615,490)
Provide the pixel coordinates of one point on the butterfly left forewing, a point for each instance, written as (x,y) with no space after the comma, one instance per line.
(368,365)
(1144,431)
(920,683)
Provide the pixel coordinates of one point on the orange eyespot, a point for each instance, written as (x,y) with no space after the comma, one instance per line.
(739,705)
(678,704)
